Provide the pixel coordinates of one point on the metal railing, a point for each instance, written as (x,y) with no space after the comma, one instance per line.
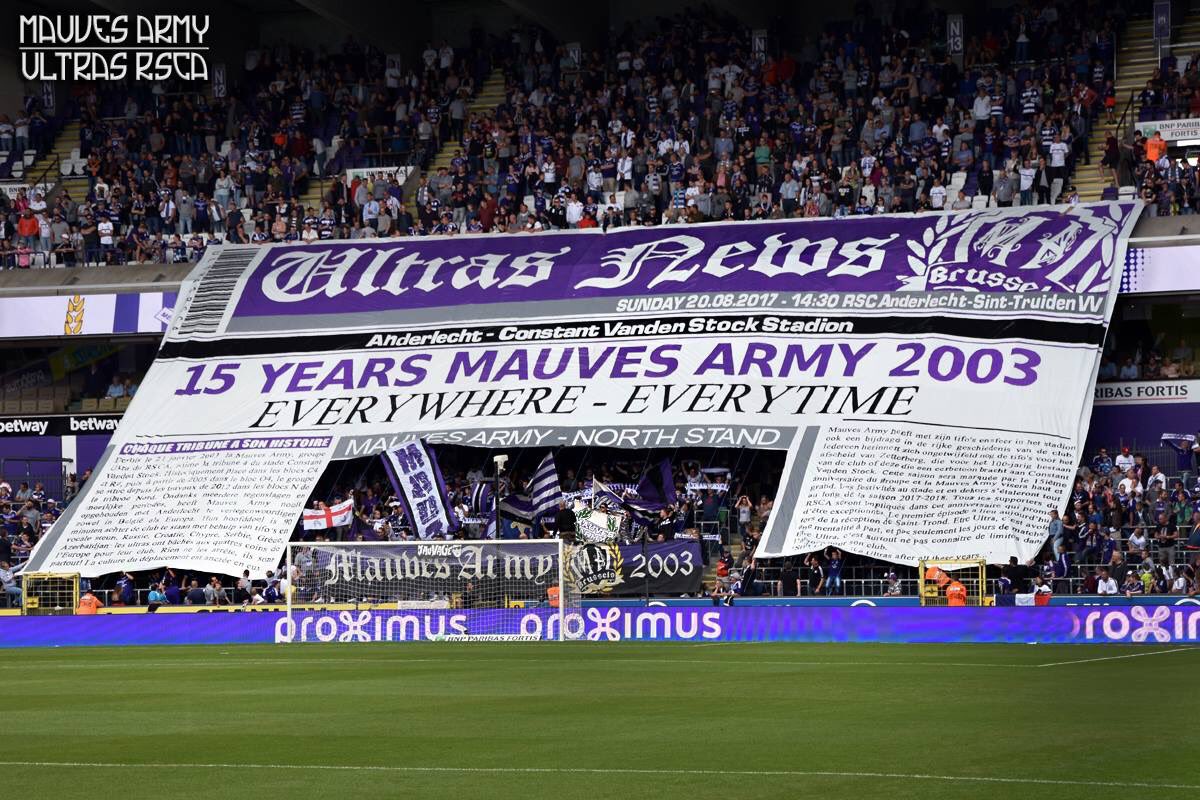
(1125,170)
(50,472)
(51,169)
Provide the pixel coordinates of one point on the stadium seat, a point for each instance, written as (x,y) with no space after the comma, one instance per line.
(45,406)
(979,201)
(122,403)
(29,406)
(12,407)
(106,404)
(75,154)
(89,404)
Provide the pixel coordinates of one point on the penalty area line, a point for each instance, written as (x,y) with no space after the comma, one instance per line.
(787,773)
(1115,658)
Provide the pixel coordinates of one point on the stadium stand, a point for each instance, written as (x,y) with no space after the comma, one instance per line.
(680,122)
(529,135)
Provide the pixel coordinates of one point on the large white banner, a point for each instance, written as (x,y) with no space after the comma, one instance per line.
(929,376)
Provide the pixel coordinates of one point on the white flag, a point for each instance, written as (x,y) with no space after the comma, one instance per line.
(335,516)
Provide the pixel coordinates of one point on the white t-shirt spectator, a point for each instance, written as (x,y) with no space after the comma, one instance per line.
(1058,154)
(1124,462)
(937,196)
(594,180)
(1106,586)
(981,108)
(1026,174)
(105,230)
(1131,485)
(574,212)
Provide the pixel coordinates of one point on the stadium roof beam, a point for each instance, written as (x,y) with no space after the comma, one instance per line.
(587,23)
(391,28)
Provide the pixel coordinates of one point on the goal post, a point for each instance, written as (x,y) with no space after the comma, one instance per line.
(487,590)
(49,593)
(952,582)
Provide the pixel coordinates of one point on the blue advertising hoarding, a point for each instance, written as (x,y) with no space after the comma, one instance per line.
(1159,624)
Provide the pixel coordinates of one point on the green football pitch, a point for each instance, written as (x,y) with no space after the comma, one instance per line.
(601,720)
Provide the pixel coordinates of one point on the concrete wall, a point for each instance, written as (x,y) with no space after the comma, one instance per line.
(12,87)
(453,20)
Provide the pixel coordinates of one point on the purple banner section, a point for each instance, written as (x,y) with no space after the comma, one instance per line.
(1139,425)
(210,445)
(995,250)
(88,450)
(15,450)
(1046,625)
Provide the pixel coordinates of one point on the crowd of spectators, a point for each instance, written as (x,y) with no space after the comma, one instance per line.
(689,121)
(1131,527)
(1152,364)
(169,174)
(1170,93)
(1128,522)
(1150,350)
(26,513)
(1167,183)
(29,129)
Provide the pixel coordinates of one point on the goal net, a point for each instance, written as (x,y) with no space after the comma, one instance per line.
(430,590)
(49,593)
(952,582)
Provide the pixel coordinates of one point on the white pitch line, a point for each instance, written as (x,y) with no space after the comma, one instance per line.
(542,662)
(1114,658)
(787,773)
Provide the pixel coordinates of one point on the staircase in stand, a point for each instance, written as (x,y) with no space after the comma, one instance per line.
(1137,58)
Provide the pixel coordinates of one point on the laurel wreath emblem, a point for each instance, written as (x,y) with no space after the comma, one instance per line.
(926,252)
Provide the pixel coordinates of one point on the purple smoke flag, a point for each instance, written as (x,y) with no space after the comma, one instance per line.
(481,500)
(658,485)
(603,493)
(544,488)
(414,472)
(655,491)
(517,506)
